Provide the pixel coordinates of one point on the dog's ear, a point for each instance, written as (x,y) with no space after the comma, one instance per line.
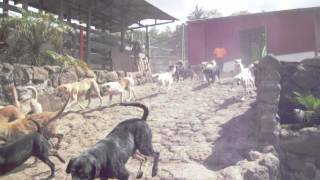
(70,165)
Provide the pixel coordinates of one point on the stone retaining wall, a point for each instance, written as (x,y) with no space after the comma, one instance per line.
(297,149)
(46,78)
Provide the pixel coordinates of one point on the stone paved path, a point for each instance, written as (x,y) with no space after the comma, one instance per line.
(199,131)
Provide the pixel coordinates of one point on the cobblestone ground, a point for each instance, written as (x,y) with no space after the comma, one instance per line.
(198,130)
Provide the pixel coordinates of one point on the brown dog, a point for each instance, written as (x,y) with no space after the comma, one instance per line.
(77,89)
(10,131)
(10,113)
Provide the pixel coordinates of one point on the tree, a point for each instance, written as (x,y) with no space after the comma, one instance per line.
(30,35)
(240,13)
(199,13)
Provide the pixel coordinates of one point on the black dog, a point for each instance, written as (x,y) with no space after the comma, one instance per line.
(15,154)
(211,73)
(108,157)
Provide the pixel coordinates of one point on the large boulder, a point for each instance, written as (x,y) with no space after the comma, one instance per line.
(68,77)
(23,74)
(40,75)
(304,142)
(7,67)
(52,69)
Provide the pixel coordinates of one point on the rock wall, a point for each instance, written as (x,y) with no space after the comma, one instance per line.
(296,149)
(46,78)
(301,77)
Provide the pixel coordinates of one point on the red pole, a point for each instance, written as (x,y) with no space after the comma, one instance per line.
(81,43)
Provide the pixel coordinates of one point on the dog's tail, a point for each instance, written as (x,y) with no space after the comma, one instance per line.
(38,126)
(142,106)
(58,113)
(34,91)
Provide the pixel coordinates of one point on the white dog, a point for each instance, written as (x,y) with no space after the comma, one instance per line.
(119,88)
(245,78)
(165,79)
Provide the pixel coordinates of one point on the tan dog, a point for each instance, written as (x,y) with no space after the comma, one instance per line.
(10,113)
(77,89)
(119,87)
(10,131)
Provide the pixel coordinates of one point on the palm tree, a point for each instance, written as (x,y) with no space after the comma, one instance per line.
(31,35)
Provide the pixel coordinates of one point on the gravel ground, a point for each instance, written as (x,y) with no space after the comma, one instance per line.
(198,130)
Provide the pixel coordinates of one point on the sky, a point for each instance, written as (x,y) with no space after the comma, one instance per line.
(181,8)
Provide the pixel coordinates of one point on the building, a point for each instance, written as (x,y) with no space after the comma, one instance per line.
(290,35)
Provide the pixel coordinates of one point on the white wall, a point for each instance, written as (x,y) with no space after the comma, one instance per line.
(295,57)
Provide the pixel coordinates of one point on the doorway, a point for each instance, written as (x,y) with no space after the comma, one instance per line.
(252,42)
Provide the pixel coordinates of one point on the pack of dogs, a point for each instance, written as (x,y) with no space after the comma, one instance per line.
(26,130)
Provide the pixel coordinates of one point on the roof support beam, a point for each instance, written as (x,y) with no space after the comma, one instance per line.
(88,28)
(149,25)
(5,8)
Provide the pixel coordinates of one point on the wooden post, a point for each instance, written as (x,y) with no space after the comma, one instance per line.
(5,8)
(25,4)
(122,40)
(147,43)
(317,32)
(41,6)
(89,18)
(61,4)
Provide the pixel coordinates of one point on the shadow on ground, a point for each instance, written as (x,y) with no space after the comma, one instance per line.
(150,96)
(201,86)
(235,141)
(226,103)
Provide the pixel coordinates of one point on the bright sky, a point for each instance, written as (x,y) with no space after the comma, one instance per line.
(181,8)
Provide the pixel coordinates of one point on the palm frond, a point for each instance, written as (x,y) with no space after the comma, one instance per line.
(310,102)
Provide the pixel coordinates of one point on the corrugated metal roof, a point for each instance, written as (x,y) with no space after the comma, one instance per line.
(106,14)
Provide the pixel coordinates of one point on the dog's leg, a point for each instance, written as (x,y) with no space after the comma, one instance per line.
(123,173)
(89,101)
(129,91)
(74,100)
(133,93)
(142,160)
(57,155)
(110,99)
(121,97)
(96,87)
(47,161)
(145,147)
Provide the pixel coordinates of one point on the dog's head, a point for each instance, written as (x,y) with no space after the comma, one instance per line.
(83,167)
(104,89)
(61,90)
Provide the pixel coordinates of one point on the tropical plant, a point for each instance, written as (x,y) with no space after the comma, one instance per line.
(33,33)
(67,61)
(310,102)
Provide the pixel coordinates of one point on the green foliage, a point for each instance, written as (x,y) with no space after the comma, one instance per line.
(30,35)
(310,102)
(199,13)
(67,61)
